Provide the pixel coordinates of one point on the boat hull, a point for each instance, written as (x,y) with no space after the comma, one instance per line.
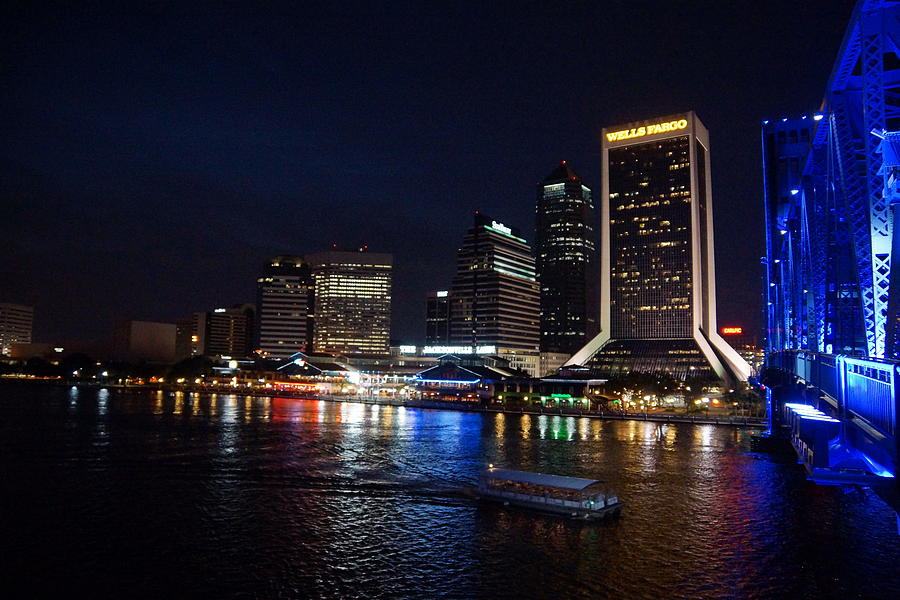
(610,510)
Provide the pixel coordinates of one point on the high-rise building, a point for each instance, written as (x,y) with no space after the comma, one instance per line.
(352,301)
(564,259)
(437,318)
(221,331)
(15,326)
(657,289)
(284,307)
(494,298)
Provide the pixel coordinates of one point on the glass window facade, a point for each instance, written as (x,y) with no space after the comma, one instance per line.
(565,259)
(650,231)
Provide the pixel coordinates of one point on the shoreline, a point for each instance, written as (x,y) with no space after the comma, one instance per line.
(724,420)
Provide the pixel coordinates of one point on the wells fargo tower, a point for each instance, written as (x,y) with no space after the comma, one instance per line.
(657,269)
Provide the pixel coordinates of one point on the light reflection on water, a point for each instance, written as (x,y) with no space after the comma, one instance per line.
(232,495)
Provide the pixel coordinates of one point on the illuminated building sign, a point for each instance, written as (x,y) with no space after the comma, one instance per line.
(732,331)
(459,350)
(635,132)
(442,294)
(407,349)
(501,227)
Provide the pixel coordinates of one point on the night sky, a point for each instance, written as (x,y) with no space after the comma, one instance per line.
(155,155)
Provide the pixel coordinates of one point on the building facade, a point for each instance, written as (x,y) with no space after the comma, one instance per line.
(219,332)
(284,307)
(16,323)
(352,301)
(565,261)
(437,318)
(494,300)
(494,297)
(658,299)
(144,341)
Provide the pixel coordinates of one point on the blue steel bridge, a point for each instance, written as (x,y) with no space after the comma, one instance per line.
(832,290)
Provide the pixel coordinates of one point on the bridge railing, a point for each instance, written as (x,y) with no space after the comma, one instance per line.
(863,387)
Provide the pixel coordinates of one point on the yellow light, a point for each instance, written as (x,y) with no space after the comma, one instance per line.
(634,132)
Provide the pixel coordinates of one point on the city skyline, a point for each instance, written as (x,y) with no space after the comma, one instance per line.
(179,182)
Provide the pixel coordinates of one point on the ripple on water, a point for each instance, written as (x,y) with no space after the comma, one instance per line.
(143,495)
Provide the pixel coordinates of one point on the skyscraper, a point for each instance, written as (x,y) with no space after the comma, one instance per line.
(437,318)
(494,298)
(657,289)
(564,251)
(284,304)
(15,326)
(353,301)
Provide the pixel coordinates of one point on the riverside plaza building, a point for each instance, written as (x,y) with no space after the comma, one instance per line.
(657,266)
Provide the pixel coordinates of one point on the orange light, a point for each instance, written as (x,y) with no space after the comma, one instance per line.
(732,331)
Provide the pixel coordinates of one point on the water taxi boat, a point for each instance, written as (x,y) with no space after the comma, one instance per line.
(572,496)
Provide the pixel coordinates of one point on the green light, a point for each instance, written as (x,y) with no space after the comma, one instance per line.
(560,395)
(509,235)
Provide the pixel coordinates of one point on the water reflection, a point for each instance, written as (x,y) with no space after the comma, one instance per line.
(499,425)
(351,501)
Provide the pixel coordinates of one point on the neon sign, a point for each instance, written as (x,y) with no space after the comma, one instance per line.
(501,227)
(732,331)
(634,132)
(459,350)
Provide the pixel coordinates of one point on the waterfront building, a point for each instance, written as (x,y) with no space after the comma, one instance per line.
(494,296)
(657,289)
(219,332)
(465,378)
(352,301)
(144,341)
(437,318)
(564,260)
(284,307)
(15,326)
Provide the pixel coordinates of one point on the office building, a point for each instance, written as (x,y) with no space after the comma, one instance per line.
(15,326)
(494,297)
(657,289)
(284,305)
(564,259)
(437,318)
(352,301)
(144,341)
(218,332)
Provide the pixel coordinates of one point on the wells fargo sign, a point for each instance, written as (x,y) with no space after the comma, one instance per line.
(643,130)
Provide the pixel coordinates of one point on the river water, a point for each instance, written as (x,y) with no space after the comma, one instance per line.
(177,495)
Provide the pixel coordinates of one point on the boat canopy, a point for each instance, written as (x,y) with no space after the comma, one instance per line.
(554,481)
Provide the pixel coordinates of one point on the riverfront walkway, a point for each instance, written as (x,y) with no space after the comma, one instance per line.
(657,417)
